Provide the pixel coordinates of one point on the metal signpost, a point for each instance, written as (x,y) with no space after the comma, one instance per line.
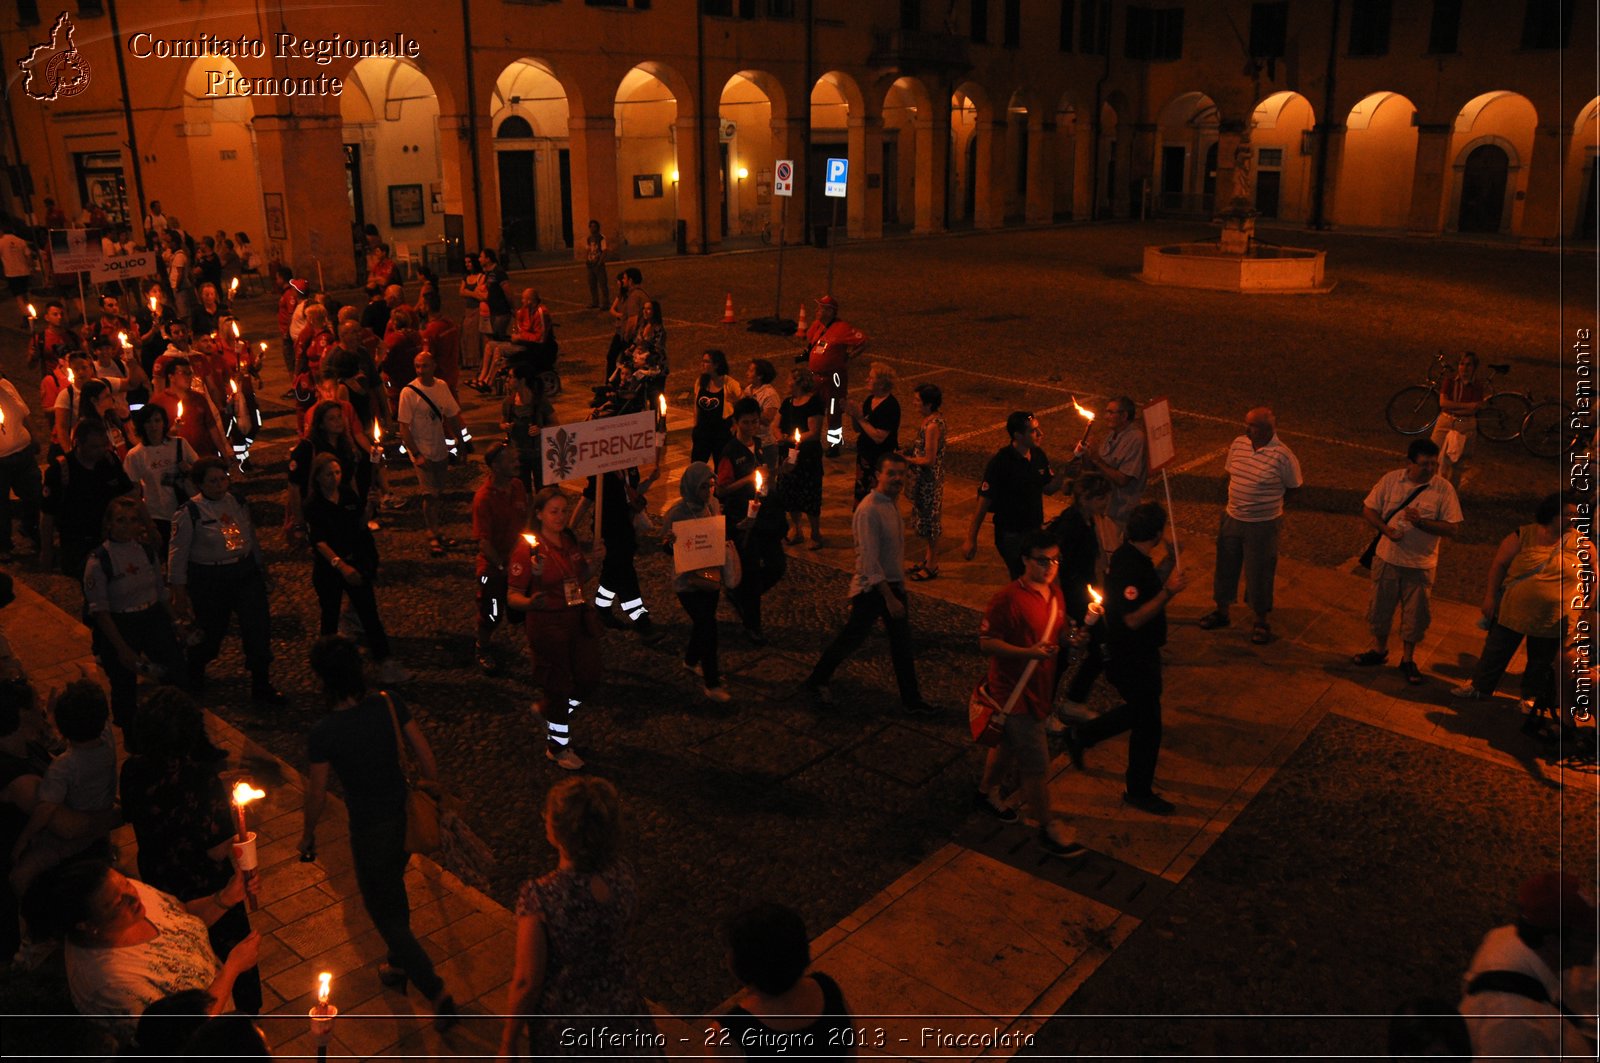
(782,185)
(833,187)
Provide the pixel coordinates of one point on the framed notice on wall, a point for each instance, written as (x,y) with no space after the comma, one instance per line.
(646,186)
(405,205)
(277,220)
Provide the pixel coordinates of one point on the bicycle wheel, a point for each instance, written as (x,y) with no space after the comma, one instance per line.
(1413,410)
(1546,428)
(1500,418)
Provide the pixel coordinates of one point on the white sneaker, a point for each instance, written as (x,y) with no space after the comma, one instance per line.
(392,671)
(1055,725)
(719,695)
(566,759)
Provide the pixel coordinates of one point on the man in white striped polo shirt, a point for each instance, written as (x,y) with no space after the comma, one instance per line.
(1261,473)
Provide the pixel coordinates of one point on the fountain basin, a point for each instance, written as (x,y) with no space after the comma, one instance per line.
(1264,268)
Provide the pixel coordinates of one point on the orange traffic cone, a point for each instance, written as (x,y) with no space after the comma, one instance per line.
(727,311)
(800,328)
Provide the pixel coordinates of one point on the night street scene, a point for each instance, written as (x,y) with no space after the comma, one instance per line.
(522,537)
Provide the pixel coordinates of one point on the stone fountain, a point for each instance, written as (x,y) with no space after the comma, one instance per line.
(1236,262)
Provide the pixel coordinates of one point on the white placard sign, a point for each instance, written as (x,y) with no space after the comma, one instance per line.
(783,178)
(116,267)
(74,250)
(585,448)
(1159,444)
(837,176)
(699,544)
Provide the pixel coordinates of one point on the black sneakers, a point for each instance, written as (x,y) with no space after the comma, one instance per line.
(982,803)
(1152,803)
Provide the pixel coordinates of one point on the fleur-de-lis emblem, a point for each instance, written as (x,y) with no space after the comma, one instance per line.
(562,453)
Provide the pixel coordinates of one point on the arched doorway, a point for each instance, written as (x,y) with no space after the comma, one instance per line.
(222,157)
(1112,152)
(1279,130)
(747,152)
(1489,149)
(965,105)
(649,186)
(1018,146)
(1378,162)
(1187,130)
(1483,189)
(1068,144)
(533,165)
(394,180)
(907,133)
(830,138)
(1582,182)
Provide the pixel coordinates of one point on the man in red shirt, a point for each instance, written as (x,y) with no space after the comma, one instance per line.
(442,338)
(1023,633)
(499,516)
(290,293)
(830,344)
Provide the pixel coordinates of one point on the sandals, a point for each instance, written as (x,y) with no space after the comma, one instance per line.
(1412,673)
(921,573)
(1369,659)
(1261,634)
(1213,620)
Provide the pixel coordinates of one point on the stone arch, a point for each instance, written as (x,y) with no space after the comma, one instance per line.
(219,137)
(531,175)
(753,124)
(1186,134)
(1488,193)
(1071,143)
(1280,130)
(1377,163)
(1581,181)
(655,156)
(971,126)
(1025,122)
(907,154)
(839,119)
(391,111)
(1114,155)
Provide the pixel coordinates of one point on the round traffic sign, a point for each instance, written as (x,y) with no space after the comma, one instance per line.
(785,171)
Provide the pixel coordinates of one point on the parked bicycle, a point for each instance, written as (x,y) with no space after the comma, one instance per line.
(1551,429)
(1413,410)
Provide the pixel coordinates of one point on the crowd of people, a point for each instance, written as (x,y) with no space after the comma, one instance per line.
(152,418)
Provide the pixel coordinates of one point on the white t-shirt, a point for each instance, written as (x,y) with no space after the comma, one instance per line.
(427,427)
(158,470)
(14,256)
(1416,548)
(1257,479)
(116,985)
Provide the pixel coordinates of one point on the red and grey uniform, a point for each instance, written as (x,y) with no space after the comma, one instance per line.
(498,515)
(829,349)
(566,658)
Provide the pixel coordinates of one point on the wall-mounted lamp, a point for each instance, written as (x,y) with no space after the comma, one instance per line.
(674,176)
(743,173)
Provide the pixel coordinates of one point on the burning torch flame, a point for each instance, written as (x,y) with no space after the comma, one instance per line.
(244,793)
(233,385)
(235,325)
(32,313)
(233,285)
(797,437)
(758,481)
(152,304)
(531,539)
(2,417)
(325,979)
(72,377)
(1096,595)
(661,400)
(1087,415)
(180,410)
(263,346)
(377,432)
(122,338)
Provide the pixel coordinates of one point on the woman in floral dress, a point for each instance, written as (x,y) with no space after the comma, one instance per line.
(927,485)
(572,931)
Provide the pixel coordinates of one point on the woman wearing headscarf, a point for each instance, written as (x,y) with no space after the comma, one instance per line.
(699,592)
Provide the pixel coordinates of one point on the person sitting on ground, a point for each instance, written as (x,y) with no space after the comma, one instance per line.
(129,945)
(572,977)
(769,951)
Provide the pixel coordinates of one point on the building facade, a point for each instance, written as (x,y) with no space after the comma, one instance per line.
(506,122)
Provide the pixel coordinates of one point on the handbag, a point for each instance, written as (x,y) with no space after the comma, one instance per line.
(987,717)
(422,808)
(1365,560)
(732,570)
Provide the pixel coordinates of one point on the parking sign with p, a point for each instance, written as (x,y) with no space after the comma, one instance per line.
(836,177)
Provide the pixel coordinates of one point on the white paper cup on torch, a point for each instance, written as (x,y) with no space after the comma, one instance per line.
(323,1013)
(1095,611)
(244,853)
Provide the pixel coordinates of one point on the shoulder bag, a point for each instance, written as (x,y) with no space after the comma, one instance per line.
(1365,560)
(422,808)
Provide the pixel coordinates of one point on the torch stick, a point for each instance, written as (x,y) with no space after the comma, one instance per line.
(1166,485)
(323,1014)
(1088,418)
(244,840)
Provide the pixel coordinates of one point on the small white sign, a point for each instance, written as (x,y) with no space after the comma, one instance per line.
(783,178)
(1160,447)
(74,250)
(836,178)
(699,544)
(116,267)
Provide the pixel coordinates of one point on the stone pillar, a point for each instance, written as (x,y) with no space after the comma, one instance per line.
(592,142)
(1428,179)
(698,176)
(1541,209)
(1142,169)
(1330,184)
(1040,207)
(1083,169)
(933,163)
(864,206)
(455,174)
(989,202)
(302,157)
(788,142)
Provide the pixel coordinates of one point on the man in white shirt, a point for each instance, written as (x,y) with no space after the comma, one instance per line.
(430,424)
(19,472)
(1261,473)
(1411,509)
(1513,1000)
(16,258)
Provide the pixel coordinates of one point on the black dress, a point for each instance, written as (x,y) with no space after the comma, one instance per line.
(800,484)
(884,415)
(711,432)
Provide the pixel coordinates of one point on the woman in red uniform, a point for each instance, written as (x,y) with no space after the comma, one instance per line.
(546,578)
